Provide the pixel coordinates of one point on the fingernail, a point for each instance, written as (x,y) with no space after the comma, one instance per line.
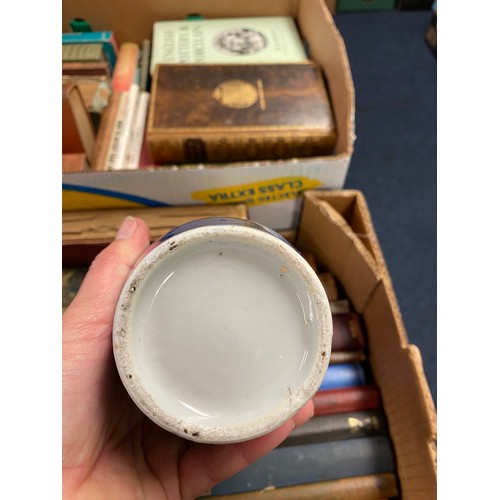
(127,228)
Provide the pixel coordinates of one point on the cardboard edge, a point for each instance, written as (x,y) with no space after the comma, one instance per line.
(308,8)
(352,206)
(413,418)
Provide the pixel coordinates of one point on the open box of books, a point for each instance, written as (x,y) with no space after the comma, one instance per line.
(373,434)
(241,157)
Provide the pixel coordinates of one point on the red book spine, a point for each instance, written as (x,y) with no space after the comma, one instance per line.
(126,66)
(331,401)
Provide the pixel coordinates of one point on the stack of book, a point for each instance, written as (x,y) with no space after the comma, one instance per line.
(345,450)
(114,85)
(203,91)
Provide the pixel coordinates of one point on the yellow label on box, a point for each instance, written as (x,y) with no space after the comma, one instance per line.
(83,200)
(258,193)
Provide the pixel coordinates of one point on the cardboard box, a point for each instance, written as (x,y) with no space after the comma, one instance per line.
(271,189)
(86,232)
(336,227)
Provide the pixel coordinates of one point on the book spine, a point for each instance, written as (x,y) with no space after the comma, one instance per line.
(107,38)
(137,132)
(338,426)
(121,132)
(338,357)
(170,148)
(348,332)
(340,306)
(144,64)
(347,399)
(126,65)
(105,134)
(370,487)
(310,463)
(343,375)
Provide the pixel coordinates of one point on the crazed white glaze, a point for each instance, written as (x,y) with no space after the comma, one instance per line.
(222,333)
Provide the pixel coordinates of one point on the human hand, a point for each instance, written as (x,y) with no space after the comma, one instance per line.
(110,448)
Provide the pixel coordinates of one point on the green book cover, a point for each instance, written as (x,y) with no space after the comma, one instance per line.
(247,40)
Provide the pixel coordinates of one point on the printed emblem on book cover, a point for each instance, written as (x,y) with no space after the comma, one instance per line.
(240,41)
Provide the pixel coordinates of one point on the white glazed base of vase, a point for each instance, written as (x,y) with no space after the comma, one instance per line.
(223,335)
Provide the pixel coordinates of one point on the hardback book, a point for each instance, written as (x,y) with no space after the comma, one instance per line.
(219,113)
(337,357)
(105,134)
(343,375)
(366,397)
(348,332)
(247,40)
(338,426)
(370,487)
(77,52)
(86,68)
(107,38)
(309,463)
(78,133)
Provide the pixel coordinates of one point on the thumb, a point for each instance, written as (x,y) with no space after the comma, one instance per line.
(91,312)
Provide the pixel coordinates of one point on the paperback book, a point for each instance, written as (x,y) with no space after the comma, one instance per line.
(246,40)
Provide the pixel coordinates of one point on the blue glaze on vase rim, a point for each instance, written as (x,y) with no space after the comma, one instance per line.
(221,221)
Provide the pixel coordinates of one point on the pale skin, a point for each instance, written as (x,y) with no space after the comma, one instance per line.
(109,448)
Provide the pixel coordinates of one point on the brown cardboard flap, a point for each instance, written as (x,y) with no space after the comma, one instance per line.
(326,233)
(333,59)
(331,225)
(411,413)
(351,205)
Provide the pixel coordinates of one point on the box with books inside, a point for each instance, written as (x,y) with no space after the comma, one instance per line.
(248,139)
(347,443)
(373,433)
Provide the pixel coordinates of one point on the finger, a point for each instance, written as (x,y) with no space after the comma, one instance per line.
(91,311)
(204,466)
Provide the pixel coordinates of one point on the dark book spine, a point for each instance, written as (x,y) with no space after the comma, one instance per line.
(348,332)
(309,463)
(375,486)
(338,426)
(343,375)
(347,399)
(337,357)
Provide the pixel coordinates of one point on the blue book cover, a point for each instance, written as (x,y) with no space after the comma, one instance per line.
(343,375)
(309,463)
(107,38)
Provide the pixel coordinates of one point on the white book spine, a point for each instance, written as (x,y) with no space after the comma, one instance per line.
(137,132)
(123,126)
